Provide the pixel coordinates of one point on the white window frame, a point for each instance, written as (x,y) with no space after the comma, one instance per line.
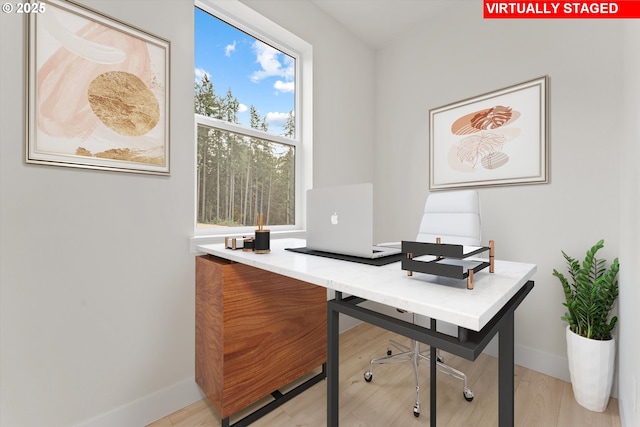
(241,16)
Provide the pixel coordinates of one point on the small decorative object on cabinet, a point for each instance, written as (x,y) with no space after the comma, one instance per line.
(590,296)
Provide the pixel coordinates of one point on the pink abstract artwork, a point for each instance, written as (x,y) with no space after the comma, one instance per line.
(98,92)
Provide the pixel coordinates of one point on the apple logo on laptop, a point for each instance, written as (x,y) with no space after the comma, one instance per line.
(334,218)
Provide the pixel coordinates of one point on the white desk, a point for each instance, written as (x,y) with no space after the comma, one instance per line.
(479,313)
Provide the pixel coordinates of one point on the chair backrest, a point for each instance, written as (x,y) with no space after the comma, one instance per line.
(454,216)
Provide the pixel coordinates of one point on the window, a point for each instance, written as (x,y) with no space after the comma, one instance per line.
(253,156)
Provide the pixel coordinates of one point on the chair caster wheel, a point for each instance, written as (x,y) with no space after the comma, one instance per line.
(416,410)
(368,376)
(468,395)
(388,352)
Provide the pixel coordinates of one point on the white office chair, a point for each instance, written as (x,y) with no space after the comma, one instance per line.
(454,217)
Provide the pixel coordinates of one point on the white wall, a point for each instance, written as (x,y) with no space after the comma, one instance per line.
(96,278)
(629,345)
(97,295)
(458,55)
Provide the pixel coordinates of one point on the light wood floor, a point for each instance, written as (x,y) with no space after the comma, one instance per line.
(388,400)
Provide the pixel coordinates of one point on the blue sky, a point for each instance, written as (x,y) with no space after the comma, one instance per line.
(257,74)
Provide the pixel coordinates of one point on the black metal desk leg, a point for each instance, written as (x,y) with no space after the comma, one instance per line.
(505,372)
(432,380)
(333,363)
(432,390)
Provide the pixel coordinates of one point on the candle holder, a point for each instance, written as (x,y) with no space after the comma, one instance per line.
(261,242)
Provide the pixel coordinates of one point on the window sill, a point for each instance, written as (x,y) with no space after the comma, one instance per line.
(195,241)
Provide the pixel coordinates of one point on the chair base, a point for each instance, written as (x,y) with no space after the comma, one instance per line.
(413,355)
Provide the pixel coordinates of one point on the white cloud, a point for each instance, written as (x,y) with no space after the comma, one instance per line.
(199,73)
(277,119)
(230,48)
(242,108)
(284,86)
(267,57)
(269,60)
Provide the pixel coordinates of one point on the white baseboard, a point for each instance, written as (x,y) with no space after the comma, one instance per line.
(545,363)
(157,405)
(149,408)
(168,400)
(626,417)
(536,360)
(539,361)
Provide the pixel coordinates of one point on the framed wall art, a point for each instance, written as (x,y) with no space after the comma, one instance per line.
(97,92)
(499,138)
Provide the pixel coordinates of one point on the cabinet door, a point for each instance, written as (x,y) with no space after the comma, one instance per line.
(273,331)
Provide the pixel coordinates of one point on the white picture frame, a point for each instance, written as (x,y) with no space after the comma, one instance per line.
(499,138)
(97,92)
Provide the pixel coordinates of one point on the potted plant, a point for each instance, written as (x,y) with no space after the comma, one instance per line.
(590,296)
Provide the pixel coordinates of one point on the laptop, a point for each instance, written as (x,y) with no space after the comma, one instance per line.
(340,221)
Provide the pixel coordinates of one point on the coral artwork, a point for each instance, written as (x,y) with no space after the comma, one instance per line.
(498,138)
(481,146)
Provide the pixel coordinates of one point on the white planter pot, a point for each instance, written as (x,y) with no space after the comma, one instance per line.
(591,365)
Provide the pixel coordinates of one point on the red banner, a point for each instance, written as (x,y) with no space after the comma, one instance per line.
(561,9)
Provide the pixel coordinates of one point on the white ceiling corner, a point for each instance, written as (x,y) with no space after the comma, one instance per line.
(377,22)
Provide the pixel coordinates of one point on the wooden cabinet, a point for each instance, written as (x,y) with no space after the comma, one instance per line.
(256,331)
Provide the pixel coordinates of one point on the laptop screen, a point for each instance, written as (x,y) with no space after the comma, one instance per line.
(340,219)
